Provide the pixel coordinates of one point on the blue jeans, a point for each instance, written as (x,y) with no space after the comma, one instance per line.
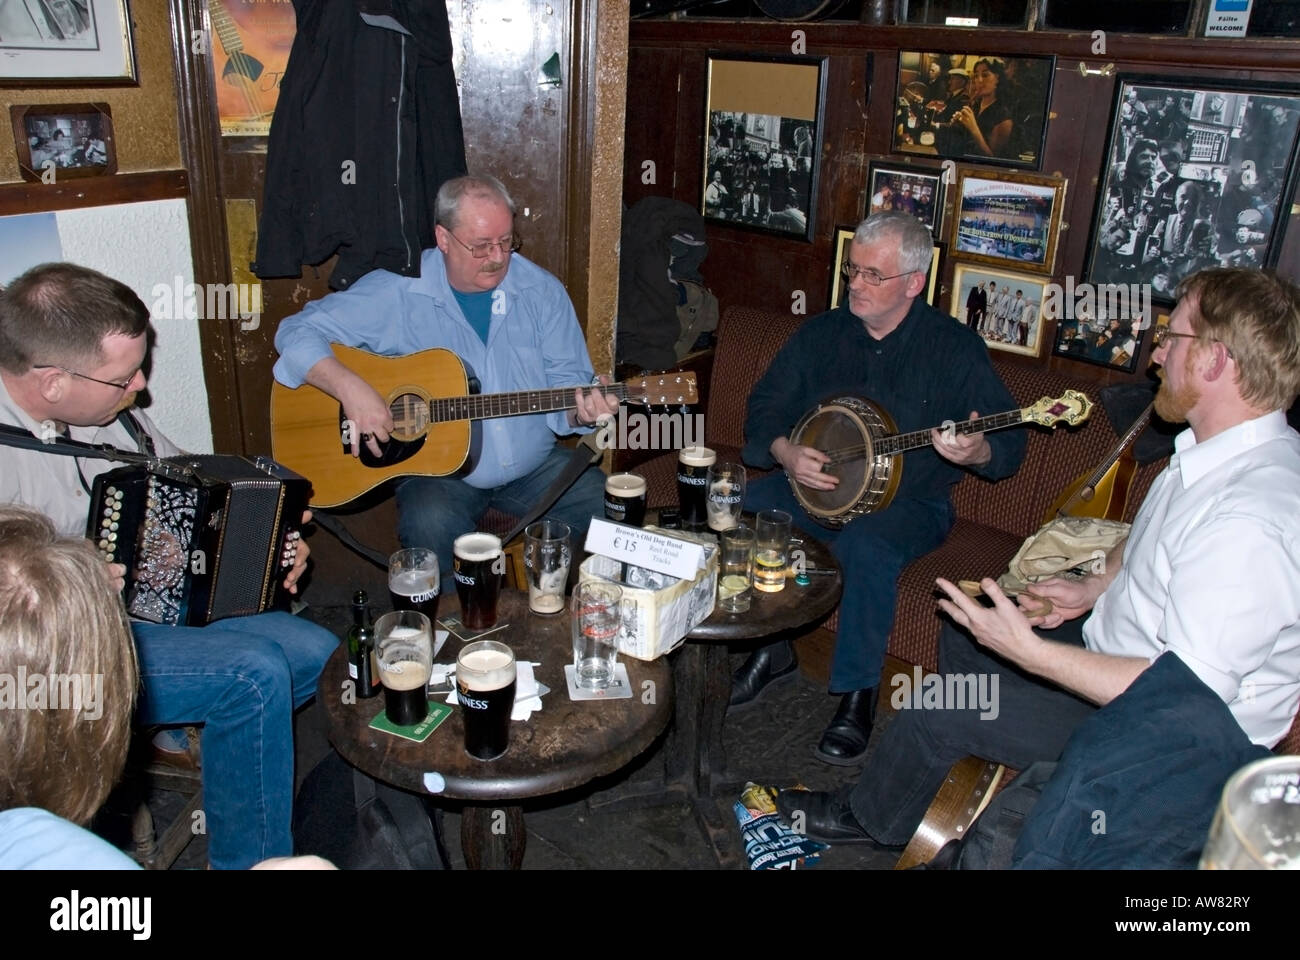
(241,679)
(433,511)
(1034,720)
(872,551)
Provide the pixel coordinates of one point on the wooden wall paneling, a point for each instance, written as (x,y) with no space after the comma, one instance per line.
(655,87)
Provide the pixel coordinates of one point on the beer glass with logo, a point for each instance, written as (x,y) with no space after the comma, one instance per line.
(478,566)
(726,495)
(692,480)
(596,609)
(413,581)
(546,561)
(485,690)
(771,550)
(404,656)
(1257,824)
(625,497)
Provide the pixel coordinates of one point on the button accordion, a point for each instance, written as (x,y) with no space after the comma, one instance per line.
(202,537)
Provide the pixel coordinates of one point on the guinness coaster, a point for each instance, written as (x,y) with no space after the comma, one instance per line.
(438,712)
(620,688)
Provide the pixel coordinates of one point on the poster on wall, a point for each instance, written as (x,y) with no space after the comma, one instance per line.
(1007,218)
(249,47)
(1197,175)
(1005,309)
(65,43)
(763,129)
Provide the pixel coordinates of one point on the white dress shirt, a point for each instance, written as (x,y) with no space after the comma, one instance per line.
(1212,572)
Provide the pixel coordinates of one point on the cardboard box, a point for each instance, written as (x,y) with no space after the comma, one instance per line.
(658,610)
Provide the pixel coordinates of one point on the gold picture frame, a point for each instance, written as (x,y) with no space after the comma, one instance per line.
(1007,219)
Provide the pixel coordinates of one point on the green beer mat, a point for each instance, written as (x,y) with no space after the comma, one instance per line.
(438,712)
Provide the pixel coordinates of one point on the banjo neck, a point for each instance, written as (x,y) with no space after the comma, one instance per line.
(903,442)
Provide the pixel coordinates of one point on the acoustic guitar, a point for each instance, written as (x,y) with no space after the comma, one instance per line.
(864,449)
(429,396)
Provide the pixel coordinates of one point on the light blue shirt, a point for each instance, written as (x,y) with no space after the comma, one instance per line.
(534,342)
(35,839)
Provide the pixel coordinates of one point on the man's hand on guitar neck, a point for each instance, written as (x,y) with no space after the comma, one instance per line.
(965,450)
(364,409)
(593,405)
(804,464)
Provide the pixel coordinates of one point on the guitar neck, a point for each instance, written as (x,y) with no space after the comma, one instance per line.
(225,28)
(1104,467)
(484,406)
(902,442)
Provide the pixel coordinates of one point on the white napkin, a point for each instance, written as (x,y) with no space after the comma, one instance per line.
(527,698)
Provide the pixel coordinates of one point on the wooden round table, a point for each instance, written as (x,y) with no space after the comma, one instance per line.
(566,744)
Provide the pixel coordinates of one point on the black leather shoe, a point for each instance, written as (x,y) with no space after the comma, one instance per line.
(823,816)
(757,673)
(845,740)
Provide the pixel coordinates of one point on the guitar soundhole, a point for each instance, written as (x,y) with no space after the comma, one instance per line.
(395,450)
(410,416)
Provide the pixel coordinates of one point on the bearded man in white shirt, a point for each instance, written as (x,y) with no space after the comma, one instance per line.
(1210,572)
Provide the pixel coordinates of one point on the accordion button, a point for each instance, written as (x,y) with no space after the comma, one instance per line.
(112,526)
(103,545)
(108,511)
(112,490)
(112,537)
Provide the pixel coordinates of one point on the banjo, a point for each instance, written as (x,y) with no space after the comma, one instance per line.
(864,444)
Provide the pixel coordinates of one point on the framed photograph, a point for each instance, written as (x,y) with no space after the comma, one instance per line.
(64,141)
(1114,344)
(973,106)
(1004,308)
(839,286)
(763,130)
(1198,174)
(1007,218)
(914,190)
(65,43)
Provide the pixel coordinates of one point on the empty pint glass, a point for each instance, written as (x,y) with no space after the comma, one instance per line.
(546,563)
(404,656)
(597,614)
(625,496)
(726,495)
(485,690)
(478,566)
(692,481)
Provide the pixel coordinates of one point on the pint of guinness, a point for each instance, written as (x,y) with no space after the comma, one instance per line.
(485,690)
(413,581)
(625,496)
(692,485)
(479,564)
(404,655)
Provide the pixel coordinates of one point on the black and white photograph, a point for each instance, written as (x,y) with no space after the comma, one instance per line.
(1005,309)
(1007,218)
(64,141)
(71,42)
(973,106)
(763,135)
(1196,176)
(913,191)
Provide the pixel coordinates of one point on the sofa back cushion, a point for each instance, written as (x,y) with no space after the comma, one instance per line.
(1053,460)
(748,341)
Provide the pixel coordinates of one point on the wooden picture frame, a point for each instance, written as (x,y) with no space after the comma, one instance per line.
(1007,218)
(763,134)
(1199,173)
(916,190)
(64,141)
(67,45)
(844,237)
(1015,325)
(982,108)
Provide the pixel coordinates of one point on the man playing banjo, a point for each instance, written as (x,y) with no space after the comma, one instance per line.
(921,367)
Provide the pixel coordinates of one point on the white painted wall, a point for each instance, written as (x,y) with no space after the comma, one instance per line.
(145,245)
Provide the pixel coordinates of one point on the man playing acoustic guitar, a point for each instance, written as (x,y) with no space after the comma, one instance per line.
(888,344)
(509,320)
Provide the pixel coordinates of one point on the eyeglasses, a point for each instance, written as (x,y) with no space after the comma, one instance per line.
(479,251)
(122,385)
(1163,335)
(849,272)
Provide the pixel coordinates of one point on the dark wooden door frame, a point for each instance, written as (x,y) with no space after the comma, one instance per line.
(199,138)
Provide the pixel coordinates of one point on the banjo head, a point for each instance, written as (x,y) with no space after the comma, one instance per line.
(846,428)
